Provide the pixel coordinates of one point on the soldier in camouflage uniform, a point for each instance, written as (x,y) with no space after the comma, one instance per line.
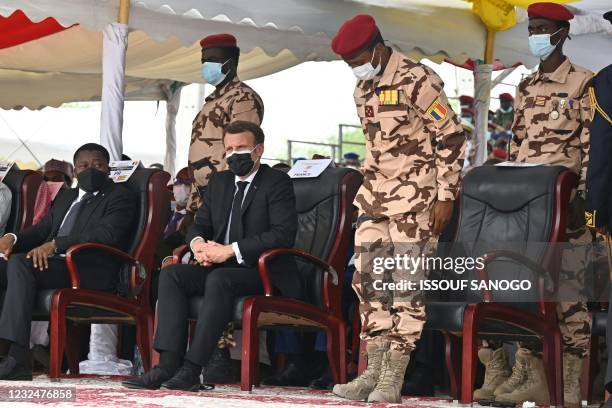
(504,116)
(232,100)
(550,127)
(415,146)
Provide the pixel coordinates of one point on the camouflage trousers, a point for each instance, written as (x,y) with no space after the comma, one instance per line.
(394,316)
(572,313)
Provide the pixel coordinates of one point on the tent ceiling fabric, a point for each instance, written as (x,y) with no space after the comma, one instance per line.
(36,90)
(272,35)
(307,26)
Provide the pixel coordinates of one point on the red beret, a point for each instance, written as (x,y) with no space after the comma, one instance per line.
(466,99)
(500,153)
(467,112)
(218,40)
(550,11)
(506,97)
(354,35)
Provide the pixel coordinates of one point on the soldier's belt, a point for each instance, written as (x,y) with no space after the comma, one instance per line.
(197,165)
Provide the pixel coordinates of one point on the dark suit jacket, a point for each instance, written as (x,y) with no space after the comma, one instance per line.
(106,219)
(599,173)
(269,220)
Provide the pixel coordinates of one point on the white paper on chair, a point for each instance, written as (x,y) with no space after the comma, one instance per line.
(121,171)
(517,164)
(5,167)
(309,168)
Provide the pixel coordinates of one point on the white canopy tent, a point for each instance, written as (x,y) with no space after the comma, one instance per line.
(163,41)
(162,46)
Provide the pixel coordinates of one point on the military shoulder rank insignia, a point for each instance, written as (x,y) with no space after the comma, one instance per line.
(589,217)
(540,101)
(388,97)
(437,110)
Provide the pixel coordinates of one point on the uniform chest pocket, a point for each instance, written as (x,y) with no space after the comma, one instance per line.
(392,119)
(391,111)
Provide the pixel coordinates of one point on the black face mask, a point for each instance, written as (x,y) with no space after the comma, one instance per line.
(92,179)
(241,163)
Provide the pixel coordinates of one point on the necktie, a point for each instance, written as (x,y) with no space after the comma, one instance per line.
(173,224)
(235,232)
(72,216)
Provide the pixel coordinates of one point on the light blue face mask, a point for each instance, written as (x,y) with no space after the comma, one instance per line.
(540,45)
(212,72)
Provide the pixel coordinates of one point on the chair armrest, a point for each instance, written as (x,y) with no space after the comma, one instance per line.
(264,272)
(72,268)
(483,275)
(179,253)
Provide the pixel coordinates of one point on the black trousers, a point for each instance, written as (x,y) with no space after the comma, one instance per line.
(220,286)
(608,381)
(19,281)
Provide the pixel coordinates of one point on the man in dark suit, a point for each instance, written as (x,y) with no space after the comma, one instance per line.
(97,211)
(598,211)
(245,211)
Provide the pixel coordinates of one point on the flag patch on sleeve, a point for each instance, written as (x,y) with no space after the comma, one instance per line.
(437,110)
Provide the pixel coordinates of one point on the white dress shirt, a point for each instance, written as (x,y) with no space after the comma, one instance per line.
(235,247)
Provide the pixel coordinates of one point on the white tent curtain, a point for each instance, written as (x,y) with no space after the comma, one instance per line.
(173,101)
(102,357)
(113,85)
(482,99)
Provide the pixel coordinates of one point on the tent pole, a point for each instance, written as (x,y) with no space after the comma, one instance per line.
(489,47)
(124,11)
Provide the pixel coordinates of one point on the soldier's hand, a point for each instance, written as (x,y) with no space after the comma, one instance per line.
(440,216)
(6,245)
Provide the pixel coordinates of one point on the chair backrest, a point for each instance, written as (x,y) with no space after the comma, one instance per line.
(24,185)
(325,214)
(516,209)
(153,209)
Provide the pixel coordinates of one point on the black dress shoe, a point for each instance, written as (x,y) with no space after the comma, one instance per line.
(183,380)
(151,380)
(324,382)
(221,369)
(292,375)
(11,370)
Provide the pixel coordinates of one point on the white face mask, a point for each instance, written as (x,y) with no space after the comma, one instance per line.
(181,194)
(540,45)
(367,71)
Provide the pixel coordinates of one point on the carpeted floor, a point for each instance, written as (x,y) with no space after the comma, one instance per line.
(107,392)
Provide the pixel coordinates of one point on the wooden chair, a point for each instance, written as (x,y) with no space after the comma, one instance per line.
(65,308)
(500,208)
(325,212)
(24,185)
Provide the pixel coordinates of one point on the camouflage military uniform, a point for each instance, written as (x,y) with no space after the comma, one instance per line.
(415,147)
(553,113)
(234,101)
(504,119)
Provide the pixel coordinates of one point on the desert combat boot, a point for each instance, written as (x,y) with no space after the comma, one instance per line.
(496,372)
(362,386)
